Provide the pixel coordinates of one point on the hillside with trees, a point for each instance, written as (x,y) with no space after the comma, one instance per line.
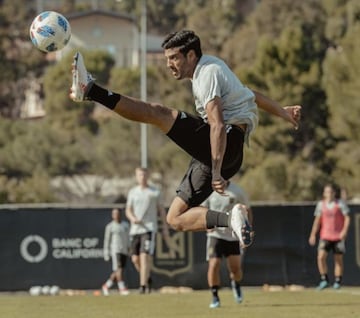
(297,52)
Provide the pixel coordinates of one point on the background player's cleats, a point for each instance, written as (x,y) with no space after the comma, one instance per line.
(105,290)
(82,80)
(124,291)
(240,225)
(236,289)
(215,303)
(336,285)
(322,285)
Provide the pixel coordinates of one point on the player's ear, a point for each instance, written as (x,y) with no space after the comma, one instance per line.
(191,55)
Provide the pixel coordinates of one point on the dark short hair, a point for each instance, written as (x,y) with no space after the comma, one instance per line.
(185,40)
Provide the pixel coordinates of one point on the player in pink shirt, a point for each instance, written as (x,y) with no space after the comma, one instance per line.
(332,219)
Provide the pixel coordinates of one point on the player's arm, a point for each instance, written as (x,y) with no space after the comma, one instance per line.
(345,228)
(314,230)
(217,142)
(291,114)
(129,212)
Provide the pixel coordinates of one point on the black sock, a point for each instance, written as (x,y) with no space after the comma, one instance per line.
(338,279)
(214,218)
(214,291)
(235,284)
(324,277)
(103,96)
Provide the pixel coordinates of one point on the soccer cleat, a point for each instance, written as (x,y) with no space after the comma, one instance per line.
(248,234)
(322,285)
(336,285)
(215,303)
(236,292)
(105,290)
(82,80)
(240,225)
(124,291)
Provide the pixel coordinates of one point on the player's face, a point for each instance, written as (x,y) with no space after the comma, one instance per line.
(328,193)
(141,177)
(181,66)
(116,215)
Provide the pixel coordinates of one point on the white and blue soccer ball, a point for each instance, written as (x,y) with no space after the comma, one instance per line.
(50,31)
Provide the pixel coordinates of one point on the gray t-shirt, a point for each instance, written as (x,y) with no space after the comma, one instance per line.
(224,203)
(319,207)
(144,203)
(213,78)
(116,238)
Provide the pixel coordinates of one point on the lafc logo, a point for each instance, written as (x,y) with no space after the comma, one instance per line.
(173,256)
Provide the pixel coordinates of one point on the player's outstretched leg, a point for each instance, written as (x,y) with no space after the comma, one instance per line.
(82,79)
(84,88)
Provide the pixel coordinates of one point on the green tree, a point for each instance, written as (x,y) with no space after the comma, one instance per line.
(288,69)
(342,86)
(19,60)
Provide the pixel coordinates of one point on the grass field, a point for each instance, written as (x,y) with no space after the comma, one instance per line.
(308,303)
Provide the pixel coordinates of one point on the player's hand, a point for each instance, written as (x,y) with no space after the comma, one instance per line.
(106,258)
(312,240)
(342,236)
(137,221)
(294,114)
(219,185)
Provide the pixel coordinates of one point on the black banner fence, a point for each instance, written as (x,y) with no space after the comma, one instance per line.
(59,245)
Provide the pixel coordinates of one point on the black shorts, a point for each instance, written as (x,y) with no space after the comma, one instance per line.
(218,248)
(192,134)
(337,247)
(118,261)
(143,243)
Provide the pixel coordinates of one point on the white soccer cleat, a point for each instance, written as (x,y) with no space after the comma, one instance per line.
(82,80)
(105,290)
(238,222)
(124,292)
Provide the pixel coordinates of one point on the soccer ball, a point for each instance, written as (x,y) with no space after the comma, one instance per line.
(50,31)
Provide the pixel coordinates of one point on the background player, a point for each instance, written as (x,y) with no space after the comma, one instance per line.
(221,243)
(142,208)
(116,247)
(333,220)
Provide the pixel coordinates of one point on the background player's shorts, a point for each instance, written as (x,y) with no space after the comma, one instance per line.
(337,247)
(143,243)
(219,248)
(118,261)
(192,134)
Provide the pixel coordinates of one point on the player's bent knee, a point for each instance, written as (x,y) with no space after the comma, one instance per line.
(174,223)
(161,116)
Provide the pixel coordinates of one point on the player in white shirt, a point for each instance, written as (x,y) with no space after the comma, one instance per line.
(227,112)
(143,206)
(221,243)
(116,247)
